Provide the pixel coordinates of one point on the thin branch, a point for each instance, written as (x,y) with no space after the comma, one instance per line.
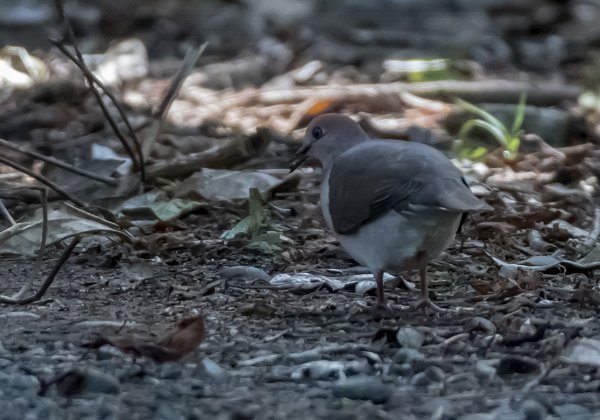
(41,179)
(593,237)
(79,62)
(113,124)
(37,266)
(6,214)
(60,164)
(494,90)
(190,59)
(38,295)
(86,215)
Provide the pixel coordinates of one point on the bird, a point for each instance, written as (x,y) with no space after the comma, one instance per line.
(393,205)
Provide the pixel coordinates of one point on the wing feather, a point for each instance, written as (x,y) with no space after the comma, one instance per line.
(377,176)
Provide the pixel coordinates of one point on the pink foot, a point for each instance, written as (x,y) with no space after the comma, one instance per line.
(426,303)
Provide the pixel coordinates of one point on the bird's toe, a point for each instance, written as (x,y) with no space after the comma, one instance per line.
(425,303)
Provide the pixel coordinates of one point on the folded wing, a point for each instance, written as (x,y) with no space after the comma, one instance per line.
(377,176)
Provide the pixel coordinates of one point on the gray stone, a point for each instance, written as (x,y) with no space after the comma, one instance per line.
(408,355)
(478,416)
(5,362)
(505,412)
(534,410)
(410,337)
(96,381)
(402,369)
(23,382)
(35,352)
(420,379)
(362,387)
(246,273)
(435,373)
(571,410)
(165,411)
(170,371)
(210,368)
(108,353)
(440,408)
(20,314)
(484,369)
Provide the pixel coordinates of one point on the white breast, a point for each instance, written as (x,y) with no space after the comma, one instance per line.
(387,242)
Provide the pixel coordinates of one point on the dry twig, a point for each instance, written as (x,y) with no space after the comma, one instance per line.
(42,290)
(159,114)
(38,262)
(60,164)
(41,179)
(77,59)
(6,214)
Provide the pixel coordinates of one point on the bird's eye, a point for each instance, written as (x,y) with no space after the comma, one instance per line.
(317,133)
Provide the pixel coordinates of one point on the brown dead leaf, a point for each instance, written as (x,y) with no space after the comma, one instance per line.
(185,339)
(319,107)
(188,337)
(482,287)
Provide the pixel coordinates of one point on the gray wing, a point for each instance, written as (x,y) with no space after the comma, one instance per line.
(380,175)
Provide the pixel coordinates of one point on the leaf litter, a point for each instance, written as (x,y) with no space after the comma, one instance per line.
(239,242)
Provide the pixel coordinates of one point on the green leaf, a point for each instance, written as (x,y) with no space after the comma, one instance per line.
(478,153)
(153,206)
(486,116)
(257,220)
(266,242)
(519,114)
(498,134)
(243,226)
(513,145)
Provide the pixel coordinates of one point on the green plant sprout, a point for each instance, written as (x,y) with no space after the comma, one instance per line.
(257,225)
(509,140)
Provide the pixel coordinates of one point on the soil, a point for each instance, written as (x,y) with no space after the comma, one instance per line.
(513,343)
(285,353)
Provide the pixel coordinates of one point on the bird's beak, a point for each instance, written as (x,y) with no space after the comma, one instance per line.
(299,157)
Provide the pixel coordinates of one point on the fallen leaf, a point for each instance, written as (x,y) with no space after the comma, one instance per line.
(213,184)
(584,351)
(185,339)
(152,206)
(63,223)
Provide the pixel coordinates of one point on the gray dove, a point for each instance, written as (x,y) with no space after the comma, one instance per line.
(393,205)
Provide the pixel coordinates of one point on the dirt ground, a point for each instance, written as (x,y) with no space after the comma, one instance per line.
(289,329)
(289,353)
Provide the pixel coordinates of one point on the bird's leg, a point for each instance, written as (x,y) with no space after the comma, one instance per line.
(381,300)
(424,301)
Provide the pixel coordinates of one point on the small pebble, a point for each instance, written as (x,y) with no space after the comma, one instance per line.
(362,387)
(534,410)
(241,272)
(20,314)
(90,380)
(435,373)
(408,355)
(210,368)
(170,371)
(484,369)
(410,337)
(22,382)
(35,352)
(5,362)
(572,411)
(420,379)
